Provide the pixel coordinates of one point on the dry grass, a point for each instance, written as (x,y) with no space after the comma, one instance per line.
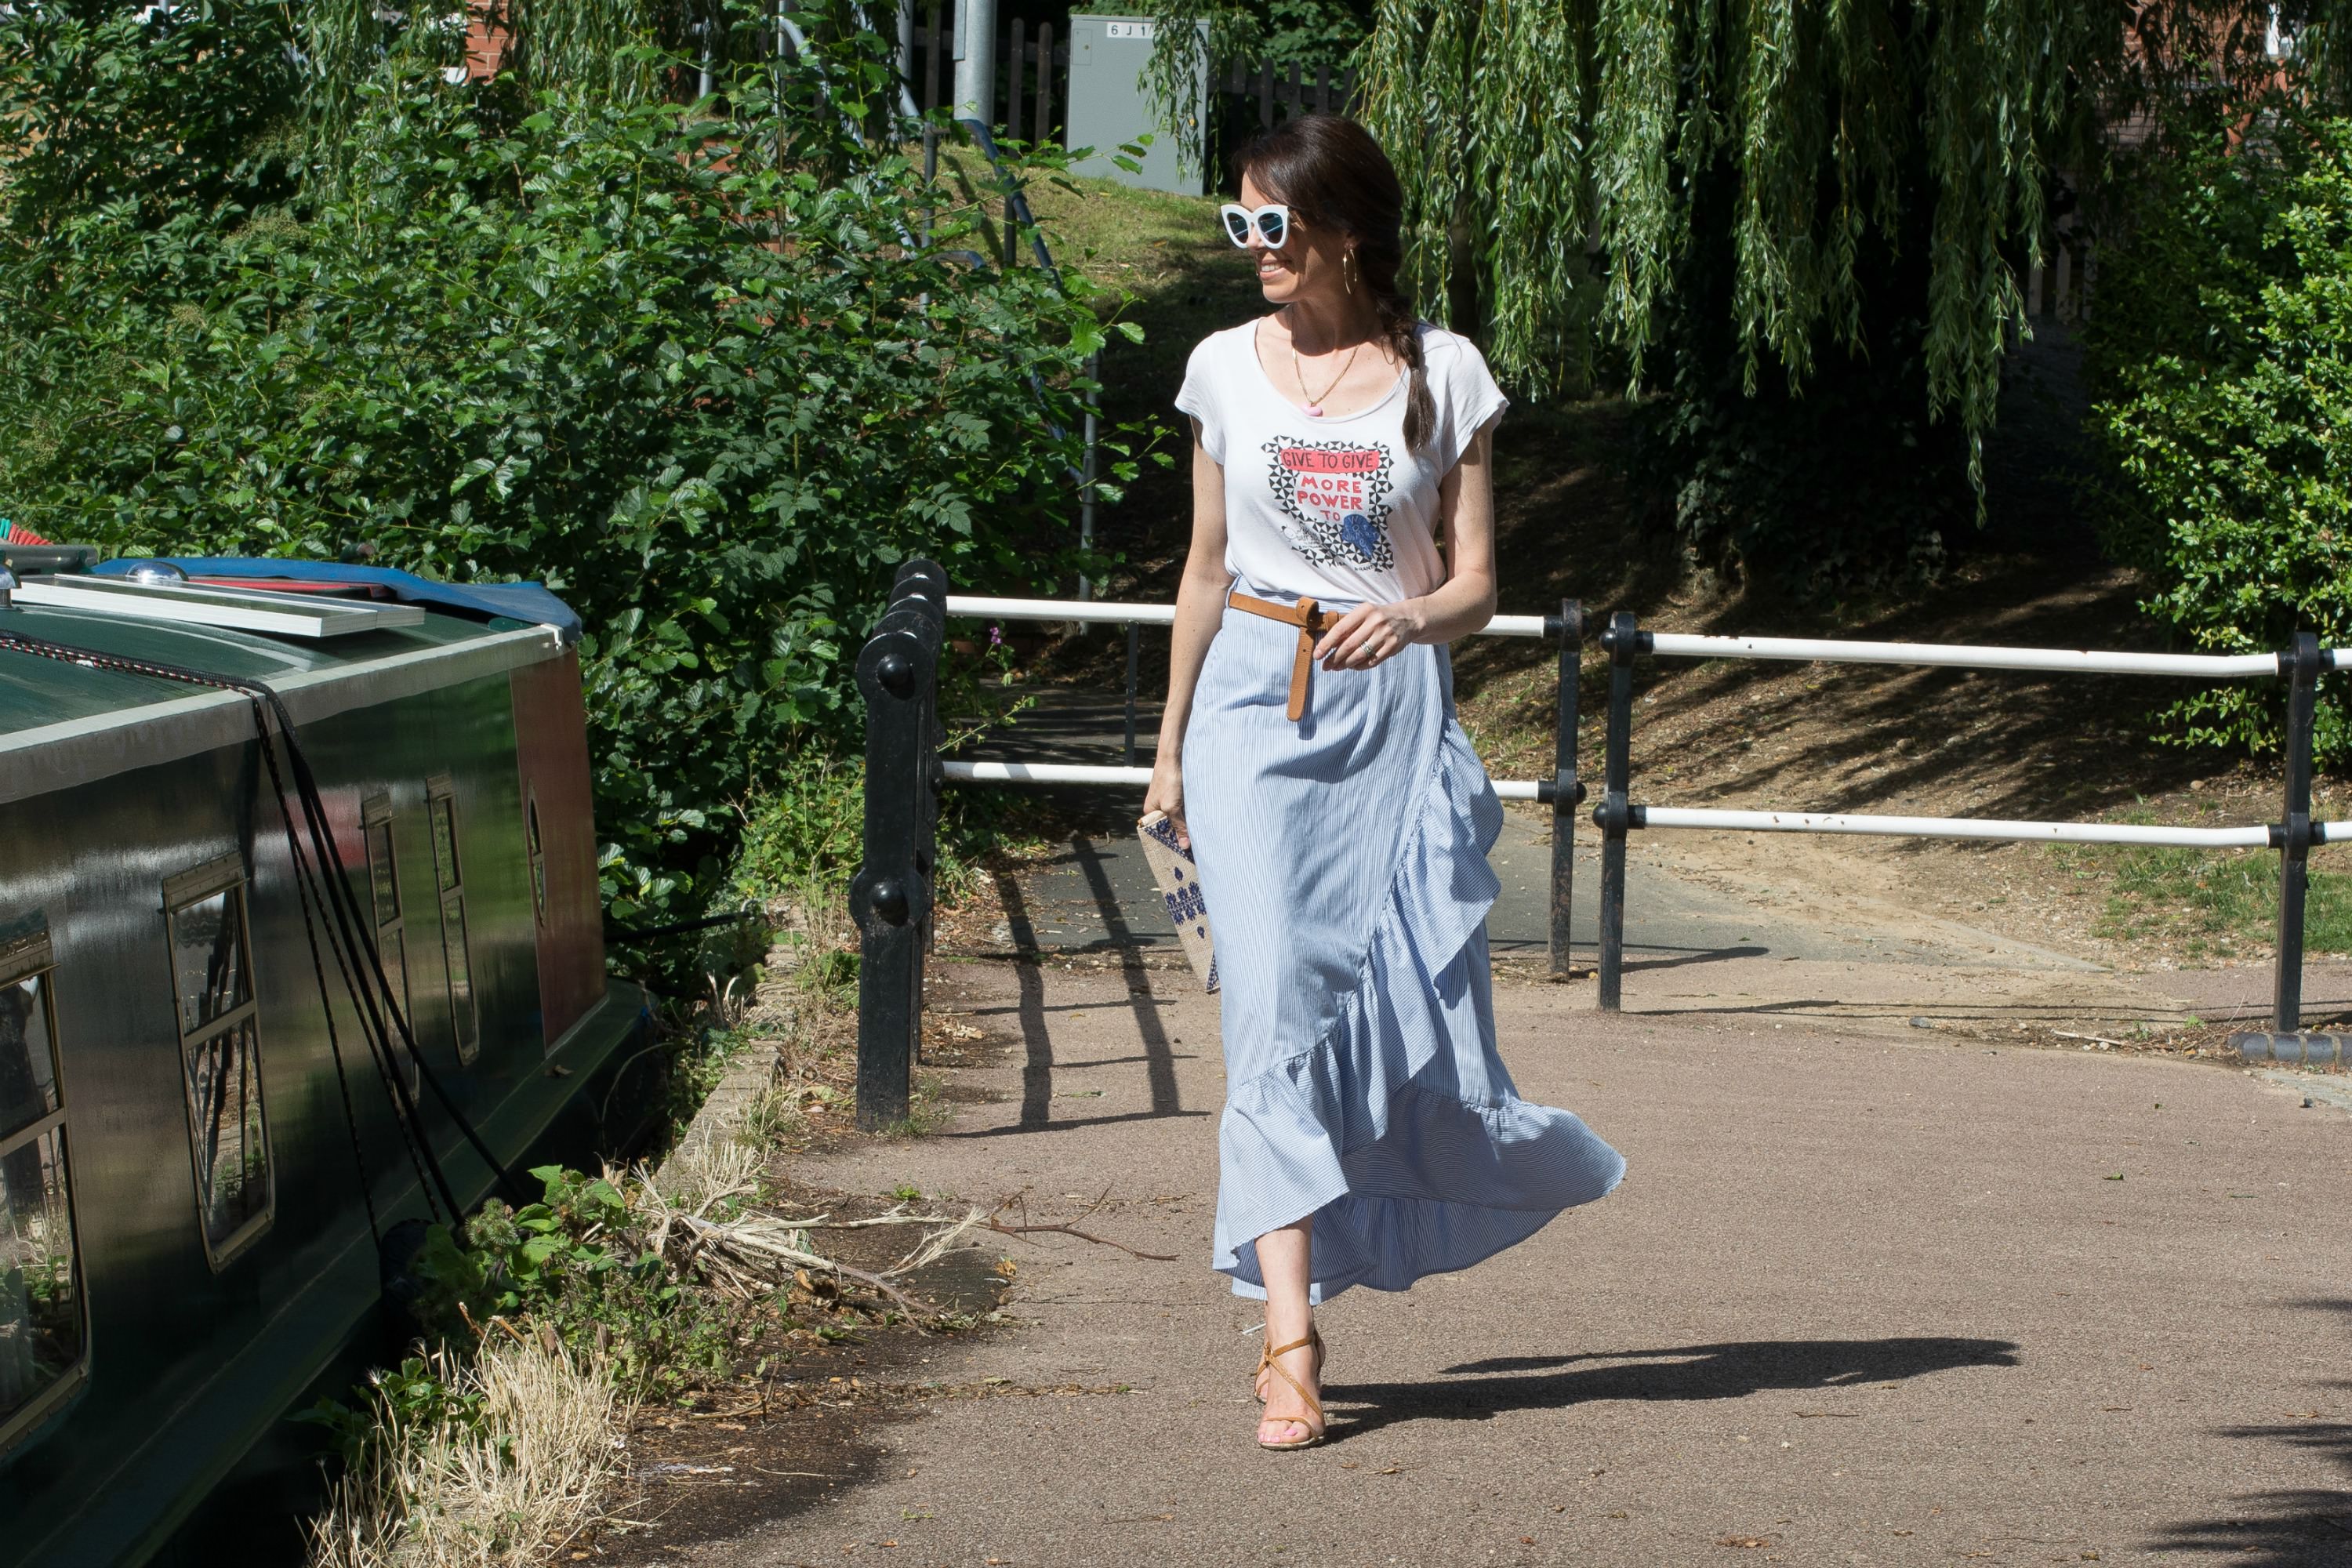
(713,1164)
(506,1488)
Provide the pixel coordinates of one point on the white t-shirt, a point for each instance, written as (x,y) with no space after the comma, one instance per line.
(1333,508)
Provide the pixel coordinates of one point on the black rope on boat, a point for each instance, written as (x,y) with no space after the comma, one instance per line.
(349,915)
(429,1174)
(365,997)
(327,1002)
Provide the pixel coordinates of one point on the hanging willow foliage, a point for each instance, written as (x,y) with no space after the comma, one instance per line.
(1551,150)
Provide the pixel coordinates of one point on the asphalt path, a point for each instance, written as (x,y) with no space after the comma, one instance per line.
(1863,1297)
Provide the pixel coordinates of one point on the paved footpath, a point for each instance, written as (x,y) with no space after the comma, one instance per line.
(1862,1298)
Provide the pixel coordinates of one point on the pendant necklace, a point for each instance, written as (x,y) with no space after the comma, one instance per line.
(1314,409)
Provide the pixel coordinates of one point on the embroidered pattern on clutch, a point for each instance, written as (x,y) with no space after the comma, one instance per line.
(1179,890)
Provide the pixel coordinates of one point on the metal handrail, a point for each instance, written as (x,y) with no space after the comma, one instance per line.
(2300,665)
(1563,791)
(1961,656)
(2256,837)
(906,680)
(1103,773)
(979,606)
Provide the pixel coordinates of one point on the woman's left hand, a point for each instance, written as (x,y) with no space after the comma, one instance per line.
(1372,634)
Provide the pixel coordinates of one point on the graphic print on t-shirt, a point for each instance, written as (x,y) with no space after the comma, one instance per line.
(1333,500)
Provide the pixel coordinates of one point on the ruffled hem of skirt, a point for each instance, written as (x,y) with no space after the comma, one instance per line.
(1370,1130)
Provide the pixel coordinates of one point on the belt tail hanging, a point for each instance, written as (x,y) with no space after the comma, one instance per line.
(1299,666)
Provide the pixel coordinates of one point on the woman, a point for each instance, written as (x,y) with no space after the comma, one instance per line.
(1309,756)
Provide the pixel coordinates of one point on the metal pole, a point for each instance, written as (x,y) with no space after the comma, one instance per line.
(1045,80)
(2300,664)
(934,44)
(1614,814)
(1012,129)
(1568,791)
(890,896)
(1086,471)
(1134,645)
(975,77)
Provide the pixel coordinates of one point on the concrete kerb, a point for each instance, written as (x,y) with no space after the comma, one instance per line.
(758,1068)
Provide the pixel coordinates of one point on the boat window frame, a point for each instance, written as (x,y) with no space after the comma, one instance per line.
(376,811)
(449,891)
(224,874)
(27,956)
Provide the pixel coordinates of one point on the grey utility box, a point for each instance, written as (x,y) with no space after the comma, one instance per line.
(1110,105)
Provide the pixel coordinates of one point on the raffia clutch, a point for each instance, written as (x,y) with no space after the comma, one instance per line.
(1180,886)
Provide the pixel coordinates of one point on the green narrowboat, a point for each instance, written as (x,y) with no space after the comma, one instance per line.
(224,1079)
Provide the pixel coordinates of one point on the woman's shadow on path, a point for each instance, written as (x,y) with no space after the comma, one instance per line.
(1683,1372)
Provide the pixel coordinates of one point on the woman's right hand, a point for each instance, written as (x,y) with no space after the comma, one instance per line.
(1167,794)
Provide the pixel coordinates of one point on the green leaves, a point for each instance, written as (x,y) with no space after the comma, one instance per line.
(2222,399)
(690,372)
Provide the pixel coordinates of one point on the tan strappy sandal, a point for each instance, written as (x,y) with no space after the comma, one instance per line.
(1314,1422)
(1265,1359)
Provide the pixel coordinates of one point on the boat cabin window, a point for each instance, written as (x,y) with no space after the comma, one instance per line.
(44,1335)
(220,1054)
(390,935)
(448,878)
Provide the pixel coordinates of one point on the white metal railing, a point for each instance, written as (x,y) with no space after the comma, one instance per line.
(2250,838)
(1100,774)
(983,608)
(2300,667)
(1960,655)
(1617,814)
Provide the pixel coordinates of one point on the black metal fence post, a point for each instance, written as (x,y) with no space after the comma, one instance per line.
(1615,815)
(2300,665)
(1566,789)
(890,896)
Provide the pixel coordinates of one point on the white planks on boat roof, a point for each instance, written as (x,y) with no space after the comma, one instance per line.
(203,604)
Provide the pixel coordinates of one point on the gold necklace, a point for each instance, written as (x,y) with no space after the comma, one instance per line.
(1314,409)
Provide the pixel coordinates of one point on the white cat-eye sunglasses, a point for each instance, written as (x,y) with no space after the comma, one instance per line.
(1272,222)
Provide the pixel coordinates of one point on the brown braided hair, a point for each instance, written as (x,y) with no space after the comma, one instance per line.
(1328,170)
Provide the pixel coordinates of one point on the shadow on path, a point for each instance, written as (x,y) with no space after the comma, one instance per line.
(1161,1066)
(1037,1044)
(1689,956)
(1685,1373)
(2299,1527)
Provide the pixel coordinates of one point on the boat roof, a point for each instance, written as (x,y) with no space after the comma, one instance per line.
(64,724)
(36,692)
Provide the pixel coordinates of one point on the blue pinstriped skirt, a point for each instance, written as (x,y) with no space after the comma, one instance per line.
(1344,858)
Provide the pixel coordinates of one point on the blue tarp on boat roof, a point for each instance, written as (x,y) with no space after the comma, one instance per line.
(516,601)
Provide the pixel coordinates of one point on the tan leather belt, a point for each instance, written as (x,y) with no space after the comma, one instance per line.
(1309,621)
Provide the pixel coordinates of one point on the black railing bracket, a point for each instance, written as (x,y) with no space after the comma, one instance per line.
(890,896)
(2299,666)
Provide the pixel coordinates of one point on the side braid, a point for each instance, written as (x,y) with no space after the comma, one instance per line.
(1402,328)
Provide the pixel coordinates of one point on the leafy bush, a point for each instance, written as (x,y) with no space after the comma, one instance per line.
(571,1264)
(688,368)
(144,114)
(2220,370)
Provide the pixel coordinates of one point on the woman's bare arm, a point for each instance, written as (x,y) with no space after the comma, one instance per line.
(1464,603)
(1200,608)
